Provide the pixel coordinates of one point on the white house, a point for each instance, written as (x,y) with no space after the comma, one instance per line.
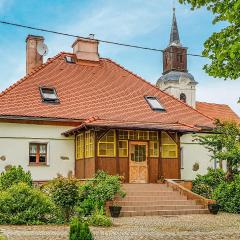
(78,113)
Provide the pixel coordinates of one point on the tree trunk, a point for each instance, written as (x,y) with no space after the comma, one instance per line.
(229,174)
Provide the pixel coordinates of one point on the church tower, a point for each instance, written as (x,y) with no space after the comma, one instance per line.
(176,80)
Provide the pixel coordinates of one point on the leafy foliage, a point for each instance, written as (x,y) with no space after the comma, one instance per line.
(22,204)
(99,219)
(222,48)
(96,193)
(65,194)
(205,185)
(79,230)
(14,175)
(227,195)
(224,145)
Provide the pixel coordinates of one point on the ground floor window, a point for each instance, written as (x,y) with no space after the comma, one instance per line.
(169,146)
(89,144)
(80,146)
(153,149)
(123,148)
(107,145)
(38,153)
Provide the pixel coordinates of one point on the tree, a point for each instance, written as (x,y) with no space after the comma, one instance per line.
(224,144)
(222,48)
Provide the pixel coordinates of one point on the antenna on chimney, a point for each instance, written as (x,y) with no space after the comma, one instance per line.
(42,49)
(91,36)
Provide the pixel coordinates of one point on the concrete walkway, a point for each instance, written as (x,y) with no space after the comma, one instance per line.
(184,227)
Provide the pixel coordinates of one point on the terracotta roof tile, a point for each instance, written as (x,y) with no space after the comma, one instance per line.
(106,90)
(217,111)
(96,122)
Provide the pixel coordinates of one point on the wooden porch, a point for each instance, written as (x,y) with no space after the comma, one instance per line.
(141,156)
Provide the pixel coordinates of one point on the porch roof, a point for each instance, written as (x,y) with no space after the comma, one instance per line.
(95,122)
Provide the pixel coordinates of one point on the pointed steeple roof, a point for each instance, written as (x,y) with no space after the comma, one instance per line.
(174,36)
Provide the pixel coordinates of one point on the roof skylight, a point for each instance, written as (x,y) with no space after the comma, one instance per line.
(154,103)
(49,95)
(69,59)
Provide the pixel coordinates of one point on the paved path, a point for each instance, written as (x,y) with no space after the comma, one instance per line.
(184,227)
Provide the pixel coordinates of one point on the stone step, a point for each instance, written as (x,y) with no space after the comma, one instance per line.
(145,187)
(152,203)
(163,212)
(151,193)
(160,207)
(153,198)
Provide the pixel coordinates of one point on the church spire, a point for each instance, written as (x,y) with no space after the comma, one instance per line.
(174,36)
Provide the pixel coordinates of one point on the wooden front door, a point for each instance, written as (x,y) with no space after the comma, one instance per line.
(138,166)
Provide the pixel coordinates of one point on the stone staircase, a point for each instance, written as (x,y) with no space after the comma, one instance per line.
(156,199)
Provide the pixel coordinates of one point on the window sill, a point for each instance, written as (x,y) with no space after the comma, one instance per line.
(38,165)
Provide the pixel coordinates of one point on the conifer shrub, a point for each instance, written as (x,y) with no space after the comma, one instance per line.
(13,175)
(79,230)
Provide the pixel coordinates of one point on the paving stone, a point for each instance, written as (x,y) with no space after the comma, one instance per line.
(183,227)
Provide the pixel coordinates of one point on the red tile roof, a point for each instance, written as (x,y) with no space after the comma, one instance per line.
(106,90)
(217,111)
(96,122)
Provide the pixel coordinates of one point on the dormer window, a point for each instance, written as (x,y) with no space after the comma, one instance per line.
(69,59)
(154,103)
(49,95)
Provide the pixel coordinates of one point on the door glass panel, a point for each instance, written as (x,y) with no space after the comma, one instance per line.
(138,153)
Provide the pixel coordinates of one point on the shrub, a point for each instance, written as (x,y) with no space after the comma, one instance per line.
(95,193)
(227,194)
(205,184)
(22,204)
(79,230)
(65,194)
(99,219)
(14,175)
(203,190)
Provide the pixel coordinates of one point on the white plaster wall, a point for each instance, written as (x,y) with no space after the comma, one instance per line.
(192,152)
(14,145)
(178,87)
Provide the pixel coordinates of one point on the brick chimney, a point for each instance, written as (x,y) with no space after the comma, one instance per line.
(86,49)
(33,58)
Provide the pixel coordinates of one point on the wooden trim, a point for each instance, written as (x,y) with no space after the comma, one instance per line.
(117,151)
(160,155)
(96,151)
(179,156)
(37,121)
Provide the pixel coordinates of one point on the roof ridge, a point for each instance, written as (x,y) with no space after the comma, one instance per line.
(50,60)
(134,74)
(214,103)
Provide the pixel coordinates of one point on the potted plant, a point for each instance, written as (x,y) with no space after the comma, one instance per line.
(161,180)
(115,210)
(213,208)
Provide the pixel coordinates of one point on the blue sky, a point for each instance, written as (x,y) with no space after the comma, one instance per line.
(142,22)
